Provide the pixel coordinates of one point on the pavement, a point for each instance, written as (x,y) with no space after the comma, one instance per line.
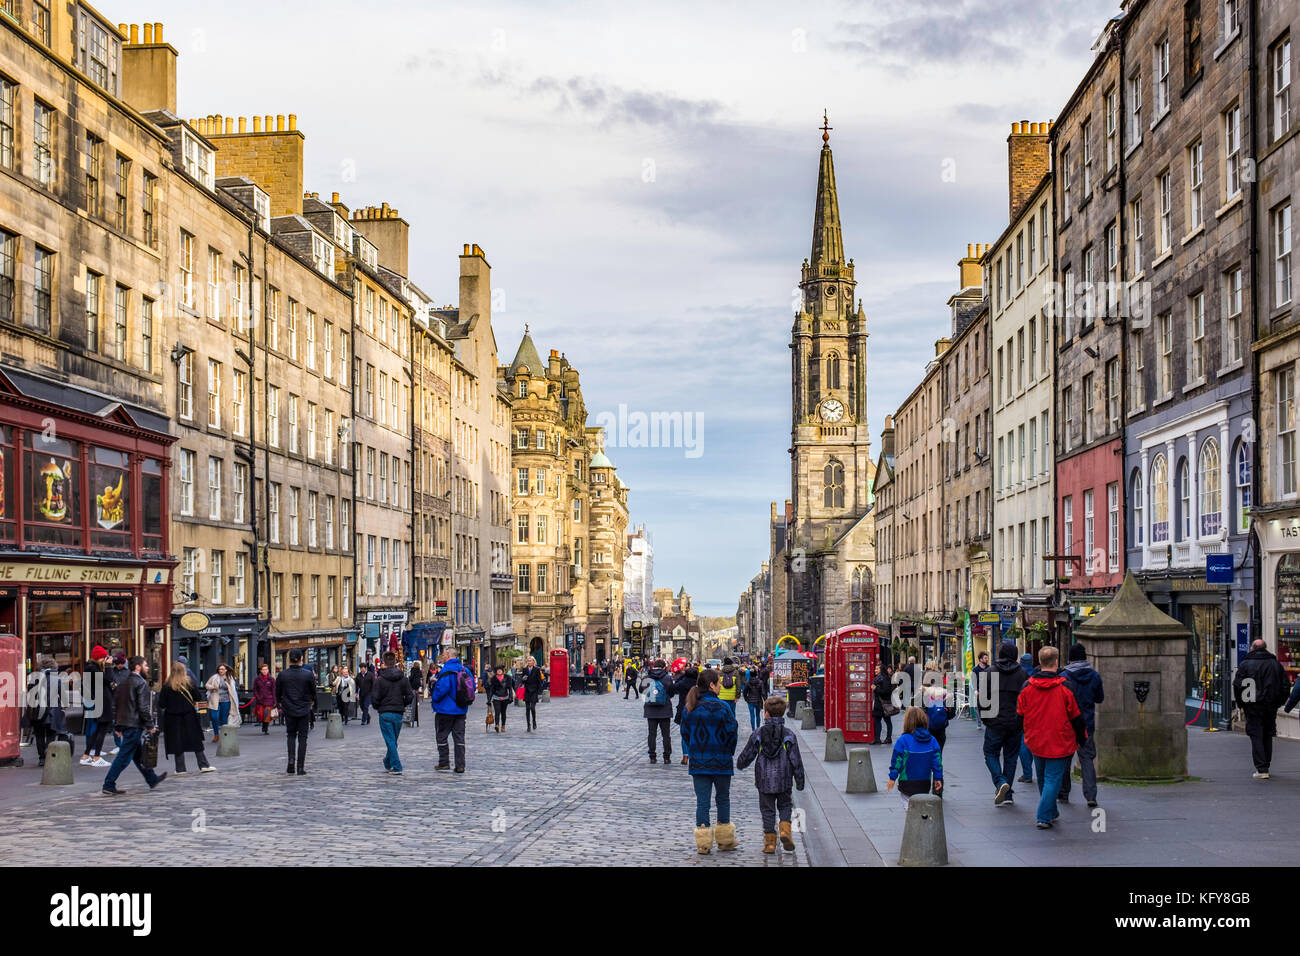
(1222,817)
(579,791)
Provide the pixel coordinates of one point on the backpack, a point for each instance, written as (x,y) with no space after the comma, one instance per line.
(937,714)
(464,690)
(729,680)
(655,693)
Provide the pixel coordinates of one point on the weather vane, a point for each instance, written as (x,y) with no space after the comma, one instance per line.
(826,129)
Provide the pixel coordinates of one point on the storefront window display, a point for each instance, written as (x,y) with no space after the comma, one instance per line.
(1205,661)
(7,504)
(110,487)
(111,623)
(54,627)
(53,493)
(151,489)
(1288,614)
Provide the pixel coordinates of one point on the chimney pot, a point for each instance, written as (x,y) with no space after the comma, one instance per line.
(243,124)
(230,125)
(157,33)
(335,198)
(279,123)
(268,122)
(148,33)
(122,31)
(135,33)
(293,121)
(257,124)
(466,252)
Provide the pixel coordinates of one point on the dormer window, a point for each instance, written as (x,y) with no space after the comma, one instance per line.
(262,209)
(365,250)
(199,160)
(322,255)
(99,51)
(342,232)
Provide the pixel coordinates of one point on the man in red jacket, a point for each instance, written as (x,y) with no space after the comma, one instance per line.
(1054,729)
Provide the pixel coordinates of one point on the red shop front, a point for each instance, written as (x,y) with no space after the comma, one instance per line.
(83,523)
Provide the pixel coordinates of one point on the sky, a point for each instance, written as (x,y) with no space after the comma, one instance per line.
(641,179)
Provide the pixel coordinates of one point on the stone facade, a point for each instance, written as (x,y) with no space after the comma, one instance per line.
(431,362)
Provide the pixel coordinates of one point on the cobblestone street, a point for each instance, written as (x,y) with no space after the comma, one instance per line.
(579,791)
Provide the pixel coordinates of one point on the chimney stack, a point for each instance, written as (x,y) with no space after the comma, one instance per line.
(148,68)
(887,437)
(1028,161)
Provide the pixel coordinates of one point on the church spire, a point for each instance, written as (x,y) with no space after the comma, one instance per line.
(827,243)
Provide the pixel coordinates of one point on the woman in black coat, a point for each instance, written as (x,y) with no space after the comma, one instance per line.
(882,688)
(182,732)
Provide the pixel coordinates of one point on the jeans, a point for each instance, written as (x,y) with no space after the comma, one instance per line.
(732,704)
(1087,754)
(95,739)
(1261,728)
(198,754)
(365,709)
(1050,771)
(129,753)
(1026,761)
(705,785)
(390,725)
(618,682)
(769,804)
(452,725)
(755,716)
(1001,750)
(889,729)
(219,717)
(660,724)
(297,728)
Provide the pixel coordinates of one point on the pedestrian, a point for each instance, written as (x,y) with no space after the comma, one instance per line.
(295,690)
(222,695)
(774,751)
(46,694)
(416,677)
(631,675)
(1054,729)
(177,710)
(531,681)
(1259,688)
(1085,683)
(917,761)
(981,668)
(366,689)
(345,692)
(114,676)
(96,727)
(1003,725)
(264,697)
(729,684)
(392,695)
(1026,757)
(501,691)
(937,711)
(754,698)
(186,661)
(682,687)
(133,716)
(618,675)
(657,687)
(709,726)
(882,704)
(452,694)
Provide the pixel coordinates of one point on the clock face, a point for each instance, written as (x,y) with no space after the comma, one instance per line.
(830,290)
(832,410)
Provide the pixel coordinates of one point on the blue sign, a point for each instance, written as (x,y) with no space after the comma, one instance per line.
(1218,568)
(1243,640)
(1008,620)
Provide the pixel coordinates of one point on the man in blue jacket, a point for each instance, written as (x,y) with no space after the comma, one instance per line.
(448,714)
(1085,683)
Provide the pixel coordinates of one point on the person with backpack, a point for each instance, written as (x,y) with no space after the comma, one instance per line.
(729,684)
(1026,757)
(754,697)
(133,716)
(1054,729)
(774,751)
(1085,684)
(1003,726)
(631,675)
(710,727)
(657,687)
(681,688)
(916,764)
(392,694)
(501,691)
(1259,688)
(937,713)
(453,692)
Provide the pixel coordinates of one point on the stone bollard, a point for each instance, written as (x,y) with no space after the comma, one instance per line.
(334,727)
(228,742)
(835,746)
(925,842)
(546,696)
(862,779)
(798,711)
(58,764)
(809,719)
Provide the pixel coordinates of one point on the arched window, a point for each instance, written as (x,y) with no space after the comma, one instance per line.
(1209,486)
(833,479)
(833,370)
(1184,501)
(1243,487)
(1159,500)
(1138,508)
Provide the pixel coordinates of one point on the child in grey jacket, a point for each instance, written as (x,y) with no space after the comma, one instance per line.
(774,751)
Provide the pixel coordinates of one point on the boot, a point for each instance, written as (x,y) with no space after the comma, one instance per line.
(726,834)
(704,840)
(787,839)
(769,842)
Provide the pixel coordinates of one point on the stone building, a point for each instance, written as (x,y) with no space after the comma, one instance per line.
(778,522)
(84,340)
(598,613)
(680,636)
(638,578)
(1020,274)
(884,490)
(829,552)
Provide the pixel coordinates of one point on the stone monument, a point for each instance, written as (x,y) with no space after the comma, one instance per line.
(1141,654)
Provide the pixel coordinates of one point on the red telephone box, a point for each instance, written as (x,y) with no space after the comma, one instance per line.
(851,657)
(559,672)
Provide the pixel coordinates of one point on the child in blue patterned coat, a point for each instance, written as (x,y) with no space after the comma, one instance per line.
(709,732)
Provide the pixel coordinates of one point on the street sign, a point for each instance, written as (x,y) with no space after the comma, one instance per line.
(990,617)
(1218,568)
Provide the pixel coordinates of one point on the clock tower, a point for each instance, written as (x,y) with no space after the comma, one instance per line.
(830,449)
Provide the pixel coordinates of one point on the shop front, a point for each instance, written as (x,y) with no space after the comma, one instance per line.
(83,536)
(1207,611)
(216,636)
(468,643)
(1279,611)
(423,641)
(322,650)
(383,631)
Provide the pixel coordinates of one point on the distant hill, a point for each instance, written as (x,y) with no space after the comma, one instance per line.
(716,623)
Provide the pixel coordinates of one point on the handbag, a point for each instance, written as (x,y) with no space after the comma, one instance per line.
(491,718)
(149,751)
(200,705)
